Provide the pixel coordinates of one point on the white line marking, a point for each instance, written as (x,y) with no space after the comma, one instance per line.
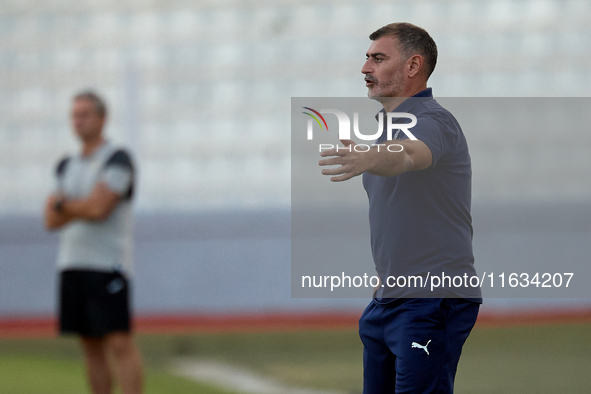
(231,377)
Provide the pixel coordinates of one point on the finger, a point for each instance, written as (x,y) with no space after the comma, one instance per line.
(334,171)
(333,161)
(333,152)
(348,142)
(343,177)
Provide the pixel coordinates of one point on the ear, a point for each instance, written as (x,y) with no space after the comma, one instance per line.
(415,64)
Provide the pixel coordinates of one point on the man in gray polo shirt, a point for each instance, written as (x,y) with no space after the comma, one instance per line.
(420,223)
(92,207)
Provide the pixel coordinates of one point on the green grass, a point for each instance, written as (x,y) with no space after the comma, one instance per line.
(55,367)
(329,359)
(553,359)
(549,359)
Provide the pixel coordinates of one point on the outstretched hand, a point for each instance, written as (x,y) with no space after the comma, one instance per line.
(351,162)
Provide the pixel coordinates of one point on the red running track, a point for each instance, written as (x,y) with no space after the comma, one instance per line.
(45,327)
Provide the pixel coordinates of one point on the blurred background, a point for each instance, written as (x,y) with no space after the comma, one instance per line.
(200,92)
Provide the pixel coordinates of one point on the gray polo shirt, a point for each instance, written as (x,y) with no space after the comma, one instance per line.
(98,245)
(420,221)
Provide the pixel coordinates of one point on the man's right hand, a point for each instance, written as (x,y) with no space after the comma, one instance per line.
(53,218)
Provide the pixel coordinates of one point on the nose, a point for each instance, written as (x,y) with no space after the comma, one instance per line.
(367,69)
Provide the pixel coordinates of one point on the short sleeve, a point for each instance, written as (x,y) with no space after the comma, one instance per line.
(60,170)
(430,131)
(118,174)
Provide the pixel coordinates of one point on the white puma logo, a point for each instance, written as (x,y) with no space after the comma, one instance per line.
(418,345)
(115,286)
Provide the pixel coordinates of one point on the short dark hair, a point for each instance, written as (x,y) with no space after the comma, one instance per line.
(413,40)
(99,103)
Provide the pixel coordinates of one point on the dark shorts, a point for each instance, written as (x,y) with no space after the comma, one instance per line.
(93,303)
(413,346)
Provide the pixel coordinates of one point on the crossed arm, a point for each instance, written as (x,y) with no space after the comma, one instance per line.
(96,207)
(415,155)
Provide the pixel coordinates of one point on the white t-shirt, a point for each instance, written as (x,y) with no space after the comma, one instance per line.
(99,245)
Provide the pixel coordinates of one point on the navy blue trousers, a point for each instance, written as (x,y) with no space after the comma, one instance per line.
(413,345)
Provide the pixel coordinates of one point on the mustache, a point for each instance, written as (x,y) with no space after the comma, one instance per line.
(370,78)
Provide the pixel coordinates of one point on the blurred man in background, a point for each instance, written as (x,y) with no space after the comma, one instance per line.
(92,208)
(419,214)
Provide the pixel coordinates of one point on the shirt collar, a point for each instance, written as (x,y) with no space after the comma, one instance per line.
(425,93)
(94,154)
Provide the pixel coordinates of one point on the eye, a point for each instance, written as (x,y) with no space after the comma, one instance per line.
(379,59)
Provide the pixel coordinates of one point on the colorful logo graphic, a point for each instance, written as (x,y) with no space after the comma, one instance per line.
(316,119)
